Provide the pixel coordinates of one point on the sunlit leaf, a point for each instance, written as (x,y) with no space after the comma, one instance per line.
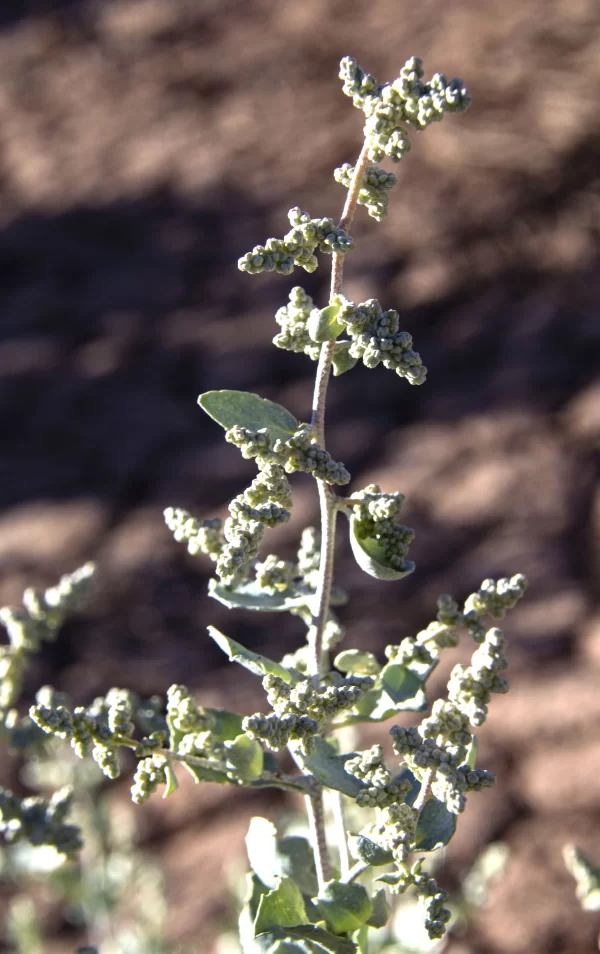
(231,408)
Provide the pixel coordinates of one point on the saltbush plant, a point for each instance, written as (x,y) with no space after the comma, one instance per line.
(316,894)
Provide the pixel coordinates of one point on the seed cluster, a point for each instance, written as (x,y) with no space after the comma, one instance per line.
(297,247)
(407,100)
(375,188)
(376,517)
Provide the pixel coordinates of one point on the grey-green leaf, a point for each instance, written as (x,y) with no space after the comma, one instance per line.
(363,849)
(259,665)
(245,409)
(328,767)
(345,907)
(323,324)
(369,554)
(435,827)
(245,757)
(309,940)
(381,910)
(357,663)
(281,907)
(342,359)
(250,596)
(272,857)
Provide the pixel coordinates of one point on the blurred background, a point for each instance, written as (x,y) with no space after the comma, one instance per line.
(144,146)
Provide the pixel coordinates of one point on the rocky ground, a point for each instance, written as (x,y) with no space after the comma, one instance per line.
(144,146)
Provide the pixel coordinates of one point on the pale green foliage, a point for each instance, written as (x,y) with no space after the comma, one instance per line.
(295,902)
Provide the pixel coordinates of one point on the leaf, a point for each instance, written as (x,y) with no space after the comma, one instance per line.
(255,890)
(399,684)
(309,940)
(323,324)
(259,665)
(381,910)
(273,858)
(229,408)
(328,767)
(342,359)
(357,663)
(251,597)
(363,849)
(369,554)
(245,756)
(281,907)
(344,906)
(436,824)
(472,753)
(435,827)
(172,783)
(201,774)
(377,705)
(227,725)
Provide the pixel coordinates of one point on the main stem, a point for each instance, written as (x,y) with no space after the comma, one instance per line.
(317,661)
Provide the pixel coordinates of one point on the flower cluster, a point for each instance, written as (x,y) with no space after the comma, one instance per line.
(189,724)
(375,188)
(149,774)
(376,518)
(439,745)
(300,711)
(381,789)
(39,620)
(292,319)
(406,100)
(376,339)
(40,821)
(298,246)
(493,598)
(97,729)
(299,453)
(201,536)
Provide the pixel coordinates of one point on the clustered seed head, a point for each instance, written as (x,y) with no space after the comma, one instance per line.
(40,821)
(376,339)
(292,319)
(440,743)
(298,246)
(493,598)
(149,774)
(301,710)
(201,536)
(470,687)
(376,518)
(406,101)
(274,575)
(381,789)
(39,620)
(374,191)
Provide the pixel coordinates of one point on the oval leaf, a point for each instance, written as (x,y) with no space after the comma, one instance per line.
(342,359)
(322,324)
(363,849)
(229,408)
(344,907)
(250,596)
(381,910)
(435,827)
(259,665)
(309,940)
(245,756)
(281,907)
(400,684)
(357,663)
(328,767)
(368,553)
(272,858)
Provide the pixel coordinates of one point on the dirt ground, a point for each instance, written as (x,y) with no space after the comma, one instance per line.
(144,146)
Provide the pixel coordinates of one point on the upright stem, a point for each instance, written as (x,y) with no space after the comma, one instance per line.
(316,820)
(328,518)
